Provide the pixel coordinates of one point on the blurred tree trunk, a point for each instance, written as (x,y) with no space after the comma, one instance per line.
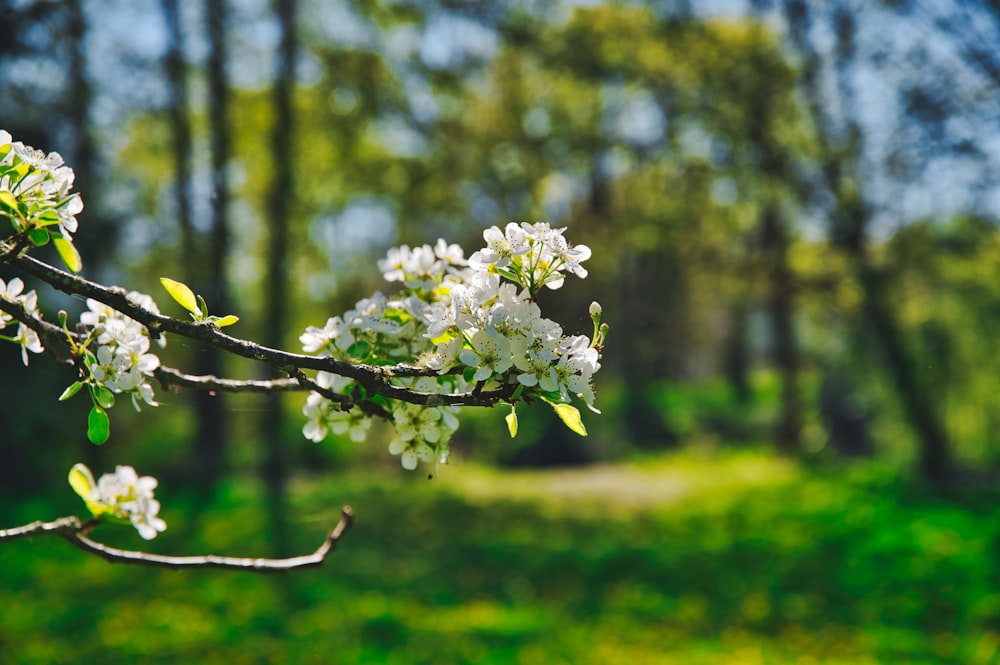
(180,125)
(212,421)
(850,221)
(736,362)
(781,308)
(97,244)
(276,290)
(775,241)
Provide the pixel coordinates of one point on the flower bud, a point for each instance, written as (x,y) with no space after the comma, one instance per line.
(595,309)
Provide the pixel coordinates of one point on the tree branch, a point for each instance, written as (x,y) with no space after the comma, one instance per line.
(376,379)
(73,531)
(168,376)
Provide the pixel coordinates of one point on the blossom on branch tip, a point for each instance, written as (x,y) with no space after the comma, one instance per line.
(122,362)
(122,496)
(45,186)
(501,247)
(468,322)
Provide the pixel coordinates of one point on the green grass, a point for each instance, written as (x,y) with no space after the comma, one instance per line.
(678,560)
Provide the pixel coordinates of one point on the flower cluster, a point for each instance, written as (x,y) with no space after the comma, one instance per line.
(122,362)
(122,496)
(474,323)
(324,416)
(532,255)
(26,338)
(35,195)
(423,432)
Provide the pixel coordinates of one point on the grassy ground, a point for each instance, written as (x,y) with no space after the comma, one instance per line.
(678,560)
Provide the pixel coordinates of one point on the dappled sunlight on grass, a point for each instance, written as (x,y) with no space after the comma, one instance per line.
(617,488)
(685,559)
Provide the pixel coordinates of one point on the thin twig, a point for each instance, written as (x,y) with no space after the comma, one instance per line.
(72,530)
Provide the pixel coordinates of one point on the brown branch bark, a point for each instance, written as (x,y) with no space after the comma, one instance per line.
(375,379)
(73,531)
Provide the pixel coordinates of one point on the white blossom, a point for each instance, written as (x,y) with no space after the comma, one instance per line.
(479,316)
(122,362)
(26,338)
(125,496)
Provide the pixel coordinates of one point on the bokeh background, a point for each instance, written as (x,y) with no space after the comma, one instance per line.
(793,209)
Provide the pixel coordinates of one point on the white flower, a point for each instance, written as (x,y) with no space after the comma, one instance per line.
(29,341)
(451,254)
(422,433)
(334,333)
(45,186)
(11,291)
(324,416)
(126,496)
(501,247)
(490,354)
(445,356)
(26,338)
(411,452)
(393,266)
(122,362)
(123,369)
(422,267)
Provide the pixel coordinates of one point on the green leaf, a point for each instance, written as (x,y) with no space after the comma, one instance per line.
(81,480)
(182,294)
(68,253)
(39,237)
(202,309)
(511,419)
(223,321)
(359,349)
(73,389)
(98,426)
(47,218)
(7,201)
(570,417)
(104,397)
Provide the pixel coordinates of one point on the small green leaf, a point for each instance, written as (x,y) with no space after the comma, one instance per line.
(39,237)
(511,419)
(47,218)
(570,417)
(202,309)
(223,321)
(73,389)
(81,480)
(104,397)
(68,253)
(98,426)
(7,201)
(358,349)
(182,294)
